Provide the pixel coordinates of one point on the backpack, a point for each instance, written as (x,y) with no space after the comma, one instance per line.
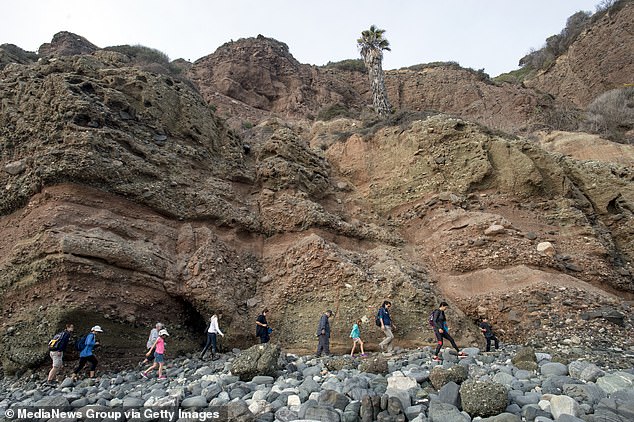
(80,343)
(54,343)
(378,318)
(431,318)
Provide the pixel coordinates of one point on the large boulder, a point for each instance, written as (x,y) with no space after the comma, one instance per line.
(440,376)
(374,365)
(260,359)
(483,398)
(525,358)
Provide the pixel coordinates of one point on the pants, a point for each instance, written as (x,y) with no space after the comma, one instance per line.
(495,340)
(82,362)
(265,338)
(211,341)
(440,336)
(387,342)
(324,345)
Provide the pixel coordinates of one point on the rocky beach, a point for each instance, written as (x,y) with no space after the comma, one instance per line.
(264,384)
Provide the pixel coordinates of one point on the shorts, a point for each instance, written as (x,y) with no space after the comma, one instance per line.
(158,357)
(57,358)
(356,340)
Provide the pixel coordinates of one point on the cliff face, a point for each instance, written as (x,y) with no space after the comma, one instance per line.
(127,200)
(249,79)
(599,60)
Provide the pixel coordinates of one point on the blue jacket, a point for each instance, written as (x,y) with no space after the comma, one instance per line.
(384,314)
(355,333)
(90,344)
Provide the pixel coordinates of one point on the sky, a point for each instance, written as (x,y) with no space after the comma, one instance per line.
(481,34)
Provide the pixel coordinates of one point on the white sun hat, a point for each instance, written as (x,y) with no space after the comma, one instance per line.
(97,329)
(163,332)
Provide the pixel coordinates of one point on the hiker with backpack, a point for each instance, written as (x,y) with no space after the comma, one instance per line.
(151,341)
(384,320)
(489,335)
(85,345)
(56,347)
(212,336)
(262,329)
(159,349)
(323,334)
(438,321)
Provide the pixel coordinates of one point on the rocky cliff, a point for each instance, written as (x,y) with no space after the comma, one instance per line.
(251,78)
(127,200)
(599,60)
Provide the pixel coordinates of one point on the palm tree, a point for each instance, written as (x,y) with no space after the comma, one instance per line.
(371,46)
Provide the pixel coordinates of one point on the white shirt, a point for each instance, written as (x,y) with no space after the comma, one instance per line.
(213,326)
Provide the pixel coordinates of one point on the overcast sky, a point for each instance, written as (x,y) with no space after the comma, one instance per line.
(489,34)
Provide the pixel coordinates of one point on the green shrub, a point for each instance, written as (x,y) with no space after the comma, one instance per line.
(149,59)
(432,65)
(611,114)
(141,53)
(332,111)
(514,77)
(350,65)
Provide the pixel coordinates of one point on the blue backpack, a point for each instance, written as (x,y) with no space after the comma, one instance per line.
(80,343)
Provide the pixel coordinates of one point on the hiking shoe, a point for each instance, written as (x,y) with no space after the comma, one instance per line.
(144,375)
(162,377)
(462,354)
(363,355)
(436,359)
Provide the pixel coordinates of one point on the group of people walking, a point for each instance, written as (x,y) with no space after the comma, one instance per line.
(155,344)
(437,320)
(85,346)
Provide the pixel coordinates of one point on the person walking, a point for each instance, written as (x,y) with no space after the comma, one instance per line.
(323,334)
(86,354)
(149,345)
(262,329)
(489,335)
(441,330)
(212,336)
(355,335)
(387,325)
(57,346)
(159,350)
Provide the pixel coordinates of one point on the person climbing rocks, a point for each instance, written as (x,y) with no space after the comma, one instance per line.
(86,354)
(212,336)
(262,329)
(385,321)
(57,346)
(441,330)
(158,349)
(355,335)
(489,335)
(323,334)
(154,334)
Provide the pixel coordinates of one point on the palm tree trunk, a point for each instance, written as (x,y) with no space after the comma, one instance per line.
(377,81)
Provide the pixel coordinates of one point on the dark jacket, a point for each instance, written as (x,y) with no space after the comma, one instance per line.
(259,330)
(488,333)
(63,341)
(384,314)
(324,324)
(440,321)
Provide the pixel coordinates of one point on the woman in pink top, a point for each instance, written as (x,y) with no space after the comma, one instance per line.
(159,350)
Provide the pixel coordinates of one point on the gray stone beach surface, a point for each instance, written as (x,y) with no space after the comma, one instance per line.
(266,384)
